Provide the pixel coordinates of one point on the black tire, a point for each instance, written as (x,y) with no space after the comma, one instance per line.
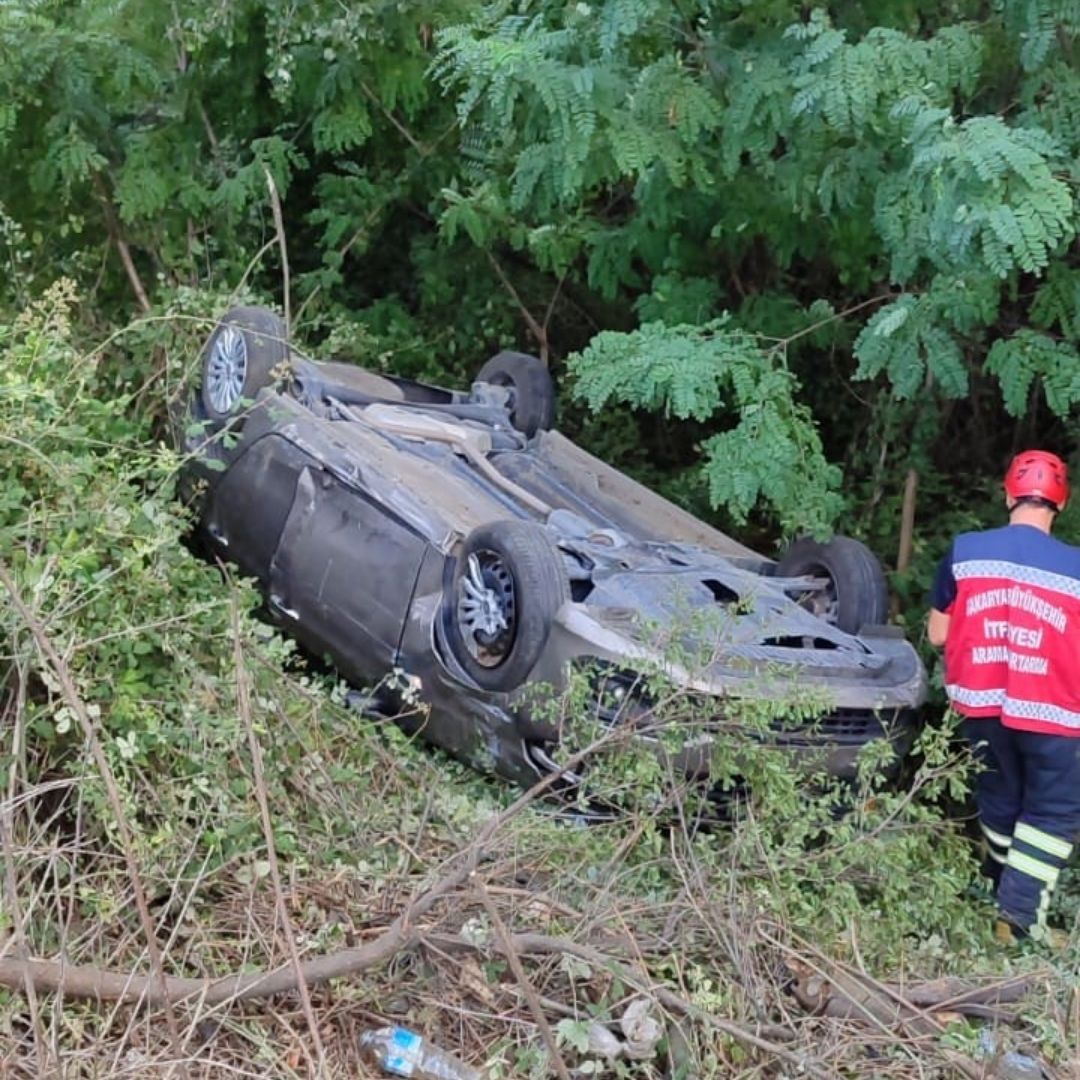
(519,561)
(857,595)
(238,360)
(532,407)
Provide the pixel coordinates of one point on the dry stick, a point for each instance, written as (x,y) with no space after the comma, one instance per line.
(907,521)
(535,328)
(552,302)
(279,225)
(506,946)
(75,703)
(243,701)
(898,996)
(132,274)
(211,135)
(113,227)
(7,819)
(954,994)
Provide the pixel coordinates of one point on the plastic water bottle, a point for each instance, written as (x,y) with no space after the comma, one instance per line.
(404,1053)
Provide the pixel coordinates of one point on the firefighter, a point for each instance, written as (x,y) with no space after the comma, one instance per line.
(1005,604)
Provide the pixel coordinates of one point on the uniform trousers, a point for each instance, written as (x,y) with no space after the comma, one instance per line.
(1028,796)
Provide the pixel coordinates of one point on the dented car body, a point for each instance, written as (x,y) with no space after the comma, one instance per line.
(393,525)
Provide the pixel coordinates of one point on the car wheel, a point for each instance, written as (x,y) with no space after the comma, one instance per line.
(856,593)
(508,584)
(532,393)
(239,359)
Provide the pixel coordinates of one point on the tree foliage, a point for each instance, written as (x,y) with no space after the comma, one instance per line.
(455,175)
(836,156)
(697,372)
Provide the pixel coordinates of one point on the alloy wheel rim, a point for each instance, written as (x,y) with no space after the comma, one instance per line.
(226,369)
(487,608)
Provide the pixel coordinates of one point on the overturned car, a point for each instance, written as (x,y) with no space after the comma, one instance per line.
(455,536)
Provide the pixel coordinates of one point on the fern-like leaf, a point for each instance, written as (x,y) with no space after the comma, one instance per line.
(770,450)
(1028,356)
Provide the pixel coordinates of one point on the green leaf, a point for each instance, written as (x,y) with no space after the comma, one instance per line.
(770,451)
(1027,357)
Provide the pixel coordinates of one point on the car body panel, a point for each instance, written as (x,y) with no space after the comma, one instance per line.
(343,606)
(567,475)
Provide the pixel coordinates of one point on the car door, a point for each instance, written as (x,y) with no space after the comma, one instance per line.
(343,574)
(250,502)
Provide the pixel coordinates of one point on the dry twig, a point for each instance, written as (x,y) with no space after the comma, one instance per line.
(532,999)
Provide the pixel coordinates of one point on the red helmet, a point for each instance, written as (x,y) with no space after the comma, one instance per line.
(1038,474)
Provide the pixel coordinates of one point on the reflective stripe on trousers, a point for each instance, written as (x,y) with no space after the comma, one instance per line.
(997,844)
(1034,861)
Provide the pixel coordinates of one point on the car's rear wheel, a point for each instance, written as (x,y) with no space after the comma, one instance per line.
(240,358)
(532,393)
(855,593)
(508,584)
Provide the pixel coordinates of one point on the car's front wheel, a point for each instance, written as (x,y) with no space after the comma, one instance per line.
(508,584)
(854,594)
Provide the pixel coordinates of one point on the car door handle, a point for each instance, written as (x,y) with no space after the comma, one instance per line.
(279,605)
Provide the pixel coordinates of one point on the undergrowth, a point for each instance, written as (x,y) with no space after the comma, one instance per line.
(709,921)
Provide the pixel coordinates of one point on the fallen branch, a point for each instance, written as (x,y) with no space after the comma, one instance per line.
(131,989)
(165,990)
(828,988)
(844,995)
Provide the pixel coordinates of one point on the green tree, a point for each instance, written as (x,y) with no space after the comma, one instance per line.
(458,176)
(917,164)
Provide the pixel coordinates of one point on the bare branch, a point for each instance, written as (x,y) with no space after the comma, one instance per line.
(539,332)
(117,237)
(279,225)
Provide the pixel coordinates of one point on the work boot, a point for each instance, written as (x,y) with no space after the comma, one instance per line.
(1053,939)
(1008,934)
